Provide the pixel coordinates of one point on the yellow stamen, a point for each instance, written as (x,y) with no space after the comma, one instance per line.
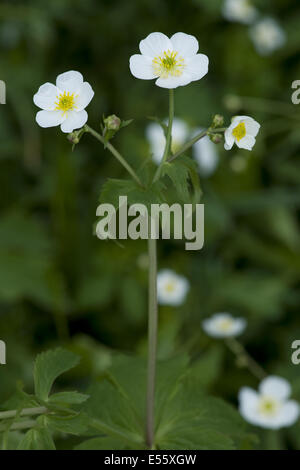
(66,102)
(169,63)
(239,131)
(170,287)
(268,406)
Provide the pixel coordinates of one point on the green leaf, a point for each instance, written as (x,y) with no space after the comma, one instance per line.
(71,398)
(183,174)
(37,439)
(48,366)
(101,443)
(113,188)
(77,424)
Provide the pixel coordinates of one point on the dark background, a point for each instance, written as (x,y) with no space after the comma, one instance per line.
(58,282)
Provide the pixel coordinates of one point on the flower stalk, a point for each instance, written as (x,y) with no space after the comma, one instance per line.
(152,340)
(245,359)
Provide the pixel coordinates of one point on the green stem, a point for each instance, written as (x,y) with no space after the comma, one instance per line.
(195,139)
(25,412)
(169,136)
(115,153)
(152,341)
(30,423)
(238,349)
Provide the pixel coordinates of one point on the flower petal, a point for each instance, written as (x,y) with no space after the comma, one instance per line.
(246,142)
(155,44)
(289,413)
(229,139)
(141,67)
(69,81)
(85,96)
(252,126)
(275,387)
(46,96)
(174,82)
(197,66)
(185,44)
(74,120)
(49,118)
(248,405)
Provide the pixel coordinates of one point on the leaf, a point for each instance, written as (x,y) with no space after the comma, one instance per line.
(37,439)
(48,366)
(70,398)
(113,189)
(101,443)
(183,172)
(77,424)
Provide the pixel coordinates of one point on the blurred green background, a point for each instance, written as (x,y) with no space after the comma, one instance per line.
(58,282)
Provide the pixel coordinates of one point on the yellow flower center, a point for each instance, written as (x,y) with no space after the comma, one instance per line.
(239,131)
(170,287)
(66,102)
(268,406)
(225,324)
(169,63)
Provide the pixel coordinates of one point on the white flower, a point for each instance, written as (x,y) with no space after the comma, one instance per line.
(171,288)
(242,131)
(224,325)
(64,103)
(206,155)
(239,10)
(267,36)
(269,407)
(173,62)
(156,138)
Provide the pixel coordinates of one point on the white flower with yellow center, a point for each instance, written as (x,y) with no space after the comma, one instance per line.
(173,62)
(157,140)
(224,325)
(267,36)
(239,10)
(270,407)
(242,132)
(64,103)
(171,288)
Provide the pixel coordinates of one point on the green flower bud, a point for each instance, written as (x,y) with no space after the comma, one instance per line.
(218,121)
(73,137)
(216,138)
(112,123)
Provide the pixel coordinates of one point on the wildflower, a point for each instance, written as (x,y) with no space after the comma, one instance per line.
(267,36)
(171,288)
(242,131)
(224,325)
(206,155)
(239,10)
(173,62)
(157,140)
(270,407)
(64,103)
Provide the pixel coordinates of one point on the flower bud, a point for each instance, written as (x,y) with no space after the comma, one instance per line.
(73,137)
(112,123)
(218,121)
(216,138)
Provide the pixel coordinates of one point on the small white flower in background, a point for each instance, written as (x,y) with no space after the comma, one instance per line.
(242,131)
(224,325)
(206,155)
(171,288)
(239,10)
(64,103)
(156,138)
(173,62)
(270,407)
(267,36)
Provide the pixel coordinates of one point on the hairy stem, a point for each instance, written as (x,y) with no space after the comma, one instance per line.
(238,349)
(195,139)
(168,137)
(152,341)
(25,412)
(114,152)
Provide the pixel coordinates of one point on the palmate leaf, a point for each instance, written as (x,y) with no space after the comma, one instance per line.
(185,417)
